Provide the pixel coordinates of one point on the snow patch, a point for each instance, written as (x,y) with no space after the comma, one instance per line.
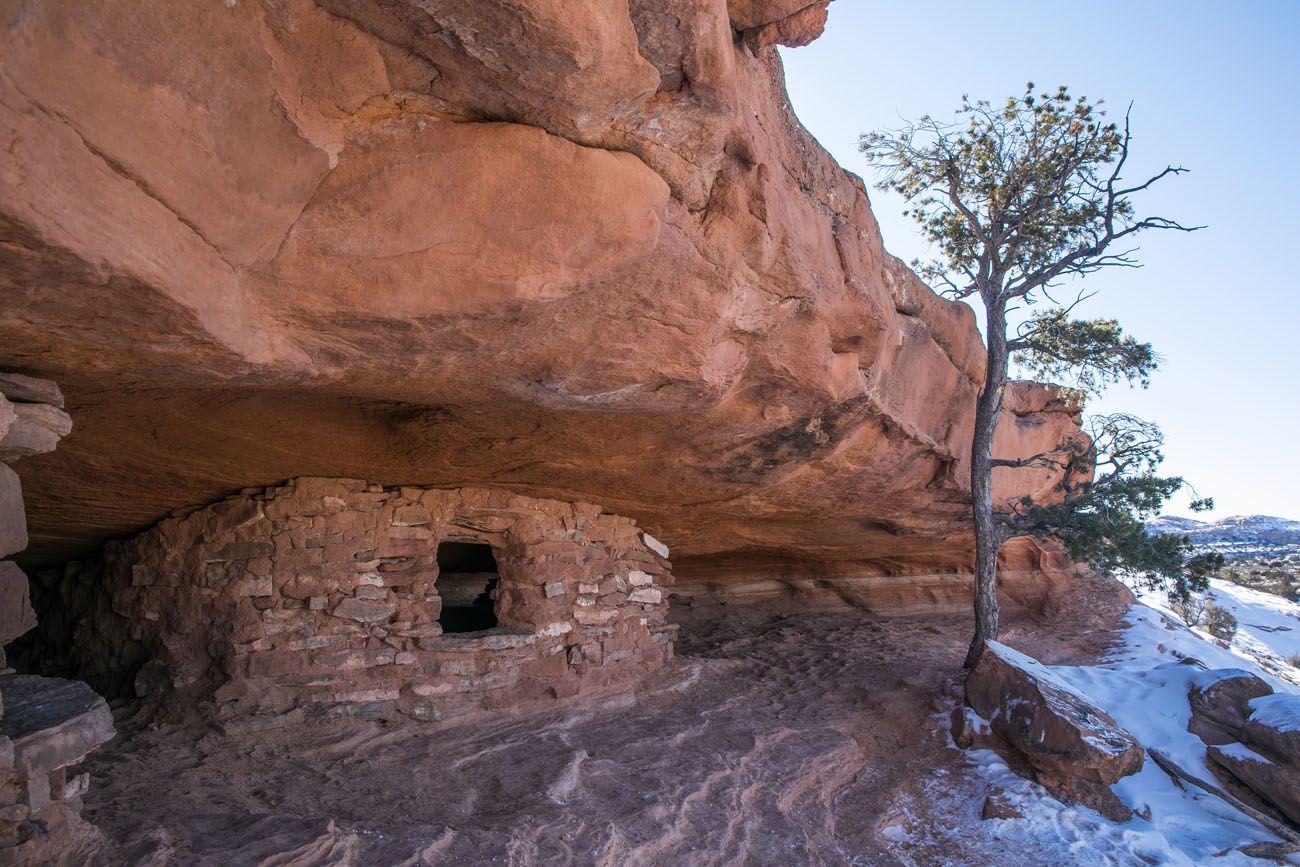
(1243,753)
(1278,711)
(1143,684)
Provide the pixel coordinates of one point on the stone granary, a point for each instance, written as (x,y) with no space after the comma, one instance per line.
(327,596)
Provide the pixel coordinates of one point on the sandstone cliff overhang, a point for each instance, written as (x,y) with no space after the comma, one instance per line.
(570,249)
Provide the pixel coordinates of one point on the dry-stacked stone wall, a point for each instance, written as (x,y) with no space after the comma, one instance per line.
(324,595)
(47,726)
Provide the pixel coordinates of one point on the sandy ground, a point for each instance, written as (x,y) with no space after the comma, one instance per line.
(773,738)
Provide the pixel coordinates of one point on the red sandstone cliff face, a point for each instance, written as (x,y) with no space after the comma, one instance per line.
(574,249)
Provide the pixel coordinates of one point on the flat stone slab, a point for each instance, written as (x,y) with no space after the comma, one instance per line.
(497,638)
(1059,730)
(52,722)
(1220,708)
(36,429)
(29,389)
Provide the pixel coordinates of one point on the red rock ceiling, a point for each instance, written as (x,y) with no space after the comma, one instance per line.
(572,248)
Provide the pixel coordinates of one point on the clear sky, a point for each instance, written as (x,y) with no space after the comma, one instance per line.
(1216,88)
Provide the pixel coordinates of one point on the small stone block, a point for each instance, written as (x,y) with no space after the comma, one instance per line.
(36,793)
(364,610)
(76,787)
(655,545)
(411,516)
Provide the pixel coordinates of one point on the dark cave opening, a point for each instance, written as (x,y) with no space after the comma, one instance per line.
(467,582)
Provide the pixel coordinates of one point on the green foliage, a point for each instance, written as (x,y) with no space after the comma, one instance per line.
(1104,526)
(1086,355)
(1016,196)
(1109,488)
(1220,622)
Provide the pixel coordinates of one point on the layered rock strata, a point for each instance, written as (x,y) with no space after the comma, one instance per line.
(576,250)
(1031,576)
(333,596)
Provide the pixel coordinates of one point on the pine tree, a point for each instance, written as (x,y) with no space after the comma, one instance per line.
(1020,199)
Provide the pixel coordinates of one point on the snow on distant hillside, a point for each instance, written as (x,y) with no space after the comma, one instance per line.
(1175,524)
(1241,536)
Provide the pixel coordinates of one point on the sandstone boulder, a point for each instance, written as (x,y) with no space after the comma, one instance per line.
(1075,747)
(1277,782)
(1274,725)
(1253,735)
(1220,708)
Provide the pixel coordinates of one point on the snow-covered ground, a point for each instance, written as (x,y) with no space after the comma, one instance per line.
(1143,684)
(1268,627)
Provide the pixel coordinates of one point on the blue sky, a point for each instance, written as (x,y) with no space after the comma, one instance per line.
(1216,88)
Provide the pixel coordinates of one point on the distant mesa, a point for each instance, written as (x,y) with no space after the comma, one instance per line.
(1240,536)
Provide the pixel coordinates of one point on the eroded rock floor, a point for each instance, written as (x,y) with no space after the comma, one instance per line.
(772,739)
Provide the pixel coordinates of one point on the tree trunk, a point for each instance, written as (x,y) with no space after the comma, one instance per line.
(988,539)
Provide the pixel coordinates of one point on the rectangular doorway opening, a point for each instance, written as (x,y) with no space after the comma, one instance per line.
(467,581)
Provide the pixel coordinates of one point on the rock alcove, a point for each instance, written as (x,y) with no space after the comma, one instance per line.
(327,241)
(323,597)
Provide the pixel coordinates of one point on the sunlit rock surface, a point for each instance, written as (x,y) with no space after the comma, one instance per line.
(581,251)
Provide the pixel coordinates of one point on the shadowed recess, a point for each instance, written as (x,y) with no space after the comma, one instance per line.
(467,581)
